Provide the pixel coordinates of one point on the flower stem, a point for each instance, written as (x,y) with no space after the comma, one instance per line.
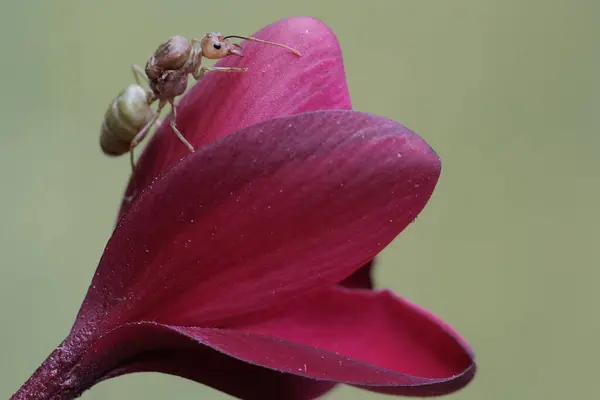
(62,376)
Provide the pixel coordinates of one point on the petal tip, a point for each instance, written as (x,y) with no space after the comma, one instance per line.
(305,23)
(312,37)
(420,146)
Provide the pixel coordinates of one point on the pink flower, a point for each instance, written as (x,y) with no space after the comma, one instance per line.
(240,266)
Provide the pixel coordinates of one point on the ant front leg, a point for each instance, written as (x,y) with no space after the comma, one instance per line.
(138,72)
(200,73)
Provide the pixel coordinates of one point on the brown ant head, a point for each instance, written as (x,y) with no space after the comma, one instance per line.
(215,46)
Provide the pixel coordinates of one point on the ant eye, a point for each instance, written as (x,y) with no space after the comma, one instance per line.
(217,46)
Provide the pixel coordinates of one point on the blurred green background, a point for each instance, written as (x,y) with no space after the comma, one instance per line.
(507,92)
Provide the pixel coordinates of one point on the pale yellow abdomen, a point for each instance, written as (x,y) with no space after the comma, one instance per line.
(127,114)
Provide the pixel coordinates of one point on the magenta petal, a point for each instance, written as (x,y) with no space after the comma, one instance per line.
(261,216)
(155,348)
(387,333)
(277,83)
(374,340)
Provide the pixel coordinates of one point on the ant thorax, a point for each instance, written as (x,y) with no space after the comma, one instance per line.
(168,68)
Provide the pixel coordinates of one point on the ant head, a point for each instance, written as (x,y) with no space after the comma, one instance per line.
(215,46)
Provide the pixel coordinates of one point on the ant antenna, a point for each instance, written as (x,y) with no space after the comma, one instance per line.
(253,39)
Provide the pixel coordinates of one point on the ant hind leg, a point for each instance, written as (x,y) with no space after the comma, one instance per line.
(136,140)
(174,127)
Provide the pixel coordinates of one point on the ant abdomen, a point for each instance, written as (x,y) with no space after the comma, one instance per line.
(127,114)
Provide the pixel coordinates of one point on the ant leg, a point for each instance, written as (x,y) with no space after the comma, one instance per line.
(141,135)
(199,74)
(139,72)
(177,132)
(136,140)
